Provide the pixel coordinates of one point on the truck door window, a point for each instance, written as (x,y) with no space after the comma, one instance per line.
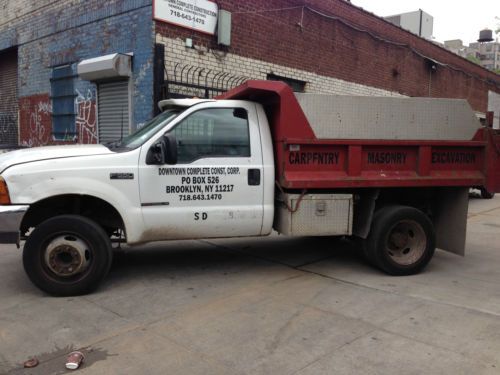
(215,132)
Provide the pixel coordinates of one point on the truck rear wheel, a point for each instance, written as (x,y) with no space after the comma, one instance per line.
(401,240)
(67,255)
(485,194)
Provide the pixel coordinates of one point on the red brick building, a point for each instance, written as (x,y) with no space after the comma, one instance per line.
(328,46)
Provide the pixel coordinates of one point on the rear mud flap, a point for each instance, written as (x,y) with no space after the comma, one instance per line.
(450,219)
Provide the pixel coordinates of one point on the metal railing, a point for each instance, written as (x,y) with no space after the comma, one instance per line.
(186,81)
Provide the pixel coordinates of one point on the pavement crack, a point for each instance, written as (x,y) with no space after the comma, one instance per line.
(431,344)
(351,283)
(330,352)
(204,356)
(105,308)
(314,261)
(482,212)
(419,298)
(280,334)
(274,261)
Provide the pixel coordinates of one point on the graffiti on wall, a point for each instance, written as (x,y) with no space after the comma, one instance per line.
(8,129)
(85,118)
(35,120)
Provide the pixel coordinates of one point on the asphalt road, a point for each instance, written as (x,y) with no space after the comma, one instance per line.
(274,305)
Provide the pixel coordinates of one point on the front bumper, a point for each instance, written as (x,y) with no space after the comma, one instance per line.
(10,222)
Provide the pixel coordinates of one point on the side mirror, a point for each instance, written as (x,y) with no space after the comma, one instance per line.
(163,152)
(156,154)
(170,150)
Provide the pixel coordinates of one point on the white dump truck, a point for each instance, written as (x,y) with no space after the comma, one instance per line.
(393,172)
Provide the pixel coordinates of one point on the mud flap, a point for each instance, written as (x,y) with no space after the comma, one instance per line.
(450,219)
(363,214)
(493,161)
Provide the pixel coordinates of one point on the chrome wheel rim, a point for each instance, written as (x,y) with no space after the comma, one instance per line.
(406,242)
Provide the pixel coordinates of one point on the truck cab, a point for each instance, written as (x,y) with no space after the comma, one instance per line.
(220,183)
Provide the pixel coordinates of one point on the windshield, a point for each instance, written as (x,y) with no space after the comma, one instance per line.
(149,129)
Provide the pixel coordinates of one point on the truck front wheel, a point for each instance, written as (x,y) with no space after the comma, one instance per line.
(67,255)
(401,240)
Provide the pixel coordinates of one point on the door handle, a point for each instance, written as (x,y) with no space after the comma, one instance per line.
(253,177)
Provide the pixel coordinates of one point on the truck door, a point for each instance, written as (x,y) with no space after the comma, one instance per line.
(215,189)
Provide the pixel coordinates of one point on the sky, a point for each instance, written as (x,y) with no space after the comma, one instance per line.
(453,19)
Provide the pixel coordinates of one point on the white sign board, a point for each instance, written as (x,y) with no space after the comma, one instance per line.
(199,15)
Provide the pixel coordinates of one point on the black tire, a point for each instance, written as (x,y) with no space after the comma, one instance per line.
(401,240)
(485,194)
(58,246)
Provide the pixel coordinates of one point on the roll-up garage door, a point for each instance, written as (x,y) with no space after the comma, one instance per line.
(8,98)
(113,111)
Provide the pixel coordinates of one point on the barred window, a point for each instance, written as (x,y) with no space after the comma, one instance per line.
(63,102)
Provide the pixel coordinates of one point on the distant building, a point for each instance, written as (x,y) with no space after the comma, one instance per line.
(455,45)
(489,54)
(485,54)
(417,22)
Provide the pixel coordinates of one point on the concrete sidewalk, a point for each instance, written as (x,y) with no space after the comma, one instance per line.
(274,305)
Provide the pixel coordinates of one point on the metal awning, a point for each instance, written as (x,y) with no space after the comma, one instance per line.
(105,67)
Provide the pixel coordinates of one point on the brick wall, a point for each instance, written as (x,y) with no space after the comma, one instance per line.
(84,29)
(240,66)
(35,115)
(334,45)
(11,11)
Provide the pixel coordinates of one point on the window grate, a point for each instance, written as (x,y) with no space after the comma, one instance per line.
(63,102)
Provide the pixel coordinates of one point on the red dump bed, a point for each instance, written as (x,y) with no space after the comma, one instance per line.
(305,161)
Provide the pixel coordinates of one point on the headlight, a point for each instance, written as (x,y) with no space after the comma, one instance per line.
(4,192)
